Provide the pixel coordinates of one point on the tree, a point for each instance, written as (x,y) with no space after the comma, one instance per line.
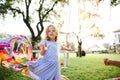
(93,31)
(45,10)
(4,35)
(107,46)
(112,3)
(84,15)
(87,23)
(115,2)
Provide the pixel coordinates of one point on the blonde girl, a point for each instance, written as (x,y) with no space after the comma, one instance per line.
(48,67)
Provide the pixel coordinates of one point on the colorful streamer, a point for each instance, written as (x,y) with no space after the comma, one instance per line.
(14,52)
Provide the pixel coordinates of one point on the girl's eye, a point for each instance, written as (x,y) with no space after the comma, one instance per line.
(49,30)
(53,30)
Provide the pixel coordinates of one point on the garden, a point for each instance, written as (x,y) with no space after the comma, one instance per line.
(89,67)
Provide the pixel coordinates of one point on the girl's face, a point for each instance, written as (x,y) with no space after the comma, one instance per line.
(51,33)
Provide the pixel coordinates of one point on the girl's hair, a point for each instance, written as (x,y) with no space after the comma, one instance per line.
(47,30)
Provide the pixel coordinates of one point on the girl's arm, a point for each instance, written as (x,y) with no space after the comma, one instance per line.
(65,48)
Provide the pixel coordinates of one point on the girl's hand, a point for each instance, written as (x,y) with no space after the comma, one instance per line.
(44,49)
(70,50)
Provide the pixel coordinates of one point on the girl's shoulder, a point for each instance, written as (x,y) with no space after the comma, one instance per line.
(49,42)
(58,41)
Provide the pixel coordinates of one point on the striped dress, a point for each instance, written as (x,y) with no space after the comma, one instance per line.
(47,67)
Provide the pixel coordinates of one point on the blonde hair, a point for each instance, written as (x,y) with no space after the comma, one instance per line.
(47,29)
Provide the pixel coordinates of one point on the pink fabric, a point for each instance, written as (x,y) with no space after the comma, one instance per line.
(4,45)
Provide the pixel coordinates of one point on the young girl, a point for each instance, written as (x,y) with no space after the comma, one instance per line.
(48,67)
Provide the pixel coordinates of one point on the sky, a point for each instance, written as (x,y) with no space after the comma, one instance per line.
(17,26)
(13,26)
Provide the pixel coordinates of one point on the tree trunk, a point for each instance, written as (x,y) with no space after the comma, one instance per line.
(79,49)
(35,44)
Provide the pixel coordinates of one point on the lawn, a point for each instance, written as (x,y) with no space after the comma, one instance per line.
(10,74)
(89,67)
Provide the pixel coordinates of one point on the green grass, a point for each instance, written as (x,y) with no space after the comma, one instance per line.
(10,74)
(89,67)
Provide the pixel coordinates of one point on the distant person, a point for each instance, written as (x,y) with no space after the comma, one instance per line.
(48,66)
(110,62)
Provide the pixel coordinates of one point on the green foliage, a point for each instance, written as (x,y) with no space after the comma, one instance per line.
(115,2)
(4,35)
(5,6)
(15,6)
(107,46)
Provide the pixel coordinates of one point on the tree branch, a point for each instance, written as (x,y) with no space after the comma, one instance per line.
(40,9)
(17,10)
(50,9)
(38,27)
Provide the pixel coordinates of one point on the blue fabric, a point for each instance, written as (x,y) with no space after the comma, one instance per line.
(47,67)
